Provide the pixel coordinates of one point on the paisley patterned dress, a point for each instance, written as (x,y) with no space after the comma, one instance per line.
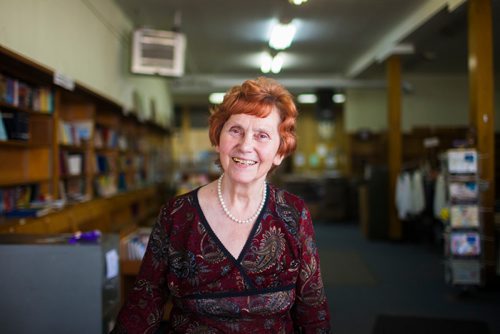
(274,286)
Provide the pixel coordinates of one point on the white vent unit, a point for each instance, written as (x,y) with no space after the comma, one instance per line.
(158,52)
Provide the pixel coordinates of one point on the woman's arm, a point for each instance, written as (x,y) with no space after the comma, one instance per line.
(310,313)
(144,307)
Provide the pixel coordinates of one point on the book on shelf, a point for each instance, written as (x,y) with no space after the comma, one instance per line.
(18,196)
(75,164)
(3,88)
(105,185)
(75,133)
(27,212)
(73,190)
(16,124)
(23,95)
(133,246)
(71,164)
(3,130)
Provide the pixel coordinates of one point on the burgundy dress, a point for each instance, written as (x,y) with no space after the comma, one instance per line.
(274,286)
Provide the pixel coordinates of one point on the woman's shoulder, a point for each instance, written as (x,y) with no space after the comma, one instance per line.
(285,197)
(179,203)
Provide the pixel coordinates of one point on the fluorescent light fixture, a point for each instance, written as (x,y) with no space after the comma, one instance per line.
(282,35)
(307,98)
(266,62)
(216,98)
(338,98)
(297,2)
(277,63)
(269,63)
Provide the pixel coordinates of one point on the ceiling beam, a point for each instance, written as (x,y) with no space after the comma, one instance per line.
(204,84)
(402,30)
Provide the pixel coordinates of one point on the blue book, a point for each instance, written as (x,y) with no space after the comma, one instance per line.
(27,213)
(3,131)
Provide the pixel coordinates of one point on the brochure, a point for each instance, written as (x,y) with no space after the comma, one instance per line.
(465,244)
(464,215)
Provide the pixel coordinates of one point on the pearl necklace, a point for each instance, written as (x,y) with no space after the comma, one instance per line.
(229,214)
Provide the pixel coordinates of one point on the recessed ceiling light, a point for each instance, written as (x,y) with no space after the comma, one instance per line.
(266,62)
(282,35)
(307,98)
(216,98)
(297,2)
(338,98)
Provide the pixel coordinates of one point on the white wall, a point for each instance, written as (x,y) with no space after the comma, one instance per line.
(87,40)
(431,101)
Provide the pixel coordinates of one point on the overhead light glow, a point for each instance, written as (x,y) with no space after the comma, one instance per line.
(216,98)
(297,2)
(338,98)
(269,63)
(277,63)
(282,35)
(266,61)
(307,98)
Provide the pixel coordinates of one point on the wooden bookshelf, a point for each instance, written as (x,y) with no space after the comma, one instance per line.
(61,129)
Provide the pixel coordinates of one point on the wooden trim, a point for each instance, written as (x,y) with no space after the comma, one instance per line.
(481,114)
(394,139)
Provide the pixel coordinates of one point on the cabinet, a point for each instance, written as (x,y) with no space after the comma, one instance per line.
(61,287)
(70,148)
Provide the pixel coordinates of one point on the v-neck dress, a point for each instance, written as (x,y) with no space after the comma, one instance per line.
(274,286)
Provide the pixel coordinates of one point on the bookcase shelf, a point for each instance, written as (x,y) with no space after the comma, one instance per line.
(65,136)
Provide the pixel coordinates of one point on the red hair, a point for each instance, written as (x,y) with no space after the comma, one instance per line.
(258,98)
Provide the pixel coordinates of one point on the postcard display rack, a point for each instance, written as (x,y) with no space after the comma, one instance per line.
(463,232)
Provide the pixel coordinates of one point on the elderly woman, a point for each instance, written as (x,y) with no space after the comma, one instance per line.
(237,255)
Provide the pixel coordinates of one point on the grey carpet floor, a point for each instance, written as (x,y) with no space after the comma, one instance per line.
(365,279)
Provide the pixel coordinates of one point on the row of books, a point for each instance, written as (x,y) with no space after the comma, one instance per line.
(14,125)
(133,246)
(73,163)
(22,202)
(17,197)
(73,190)
(75,133)
(106,138)
(23,95)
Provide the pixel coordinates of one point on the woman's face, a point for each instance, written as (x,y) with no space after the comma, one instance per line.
(248,146)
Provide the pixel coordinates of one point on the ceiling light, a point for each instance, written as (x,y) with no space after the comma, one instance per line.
(282,35)
(266,61)
(277,63)
(307,98)
(338,98)
(297,2)
(216,98)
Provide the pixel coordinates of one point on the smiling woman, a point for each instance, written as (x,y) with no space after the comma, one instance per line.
(236,255)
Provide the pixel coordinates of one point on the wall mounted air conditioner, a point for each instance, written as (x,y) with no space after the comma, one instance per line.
(158,52)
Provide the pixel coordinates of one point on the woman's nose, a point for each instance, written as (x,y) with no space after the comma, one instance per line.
(246,143)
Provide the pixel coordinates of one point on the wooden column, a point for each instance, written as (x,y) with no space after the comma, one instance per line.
(482,114)
(394,139)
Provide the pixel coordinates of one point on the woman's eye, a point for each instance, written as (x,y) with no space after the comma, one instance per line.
(235,130)
(263,136)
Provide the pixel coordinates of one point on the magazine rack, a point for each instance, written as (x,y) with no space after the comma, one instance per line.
(463,228)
